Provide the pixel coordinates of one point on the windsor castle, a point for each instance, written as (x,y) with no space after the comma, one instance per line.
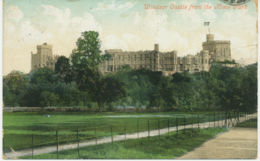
(154,60)
(168,62)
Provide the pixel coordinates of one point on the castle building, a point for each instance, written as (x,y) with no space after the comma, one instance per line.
(219,50)
(168,62)
(43,58)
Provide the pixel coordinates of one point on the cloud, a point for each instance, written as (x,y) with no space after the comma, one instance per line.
(14,14)
(61,17)
(114,42)
(101,6)
(29,33)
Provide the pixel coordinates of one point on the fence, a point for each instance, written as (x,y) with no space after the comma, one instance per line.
(59,140)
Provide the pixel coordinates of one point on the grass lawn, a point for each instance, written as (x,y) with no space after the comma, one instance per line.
(166,146)
(252,123)
(19,127)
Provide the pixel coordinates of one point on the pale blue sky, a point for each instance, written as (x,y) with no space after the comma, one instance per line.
(122,24)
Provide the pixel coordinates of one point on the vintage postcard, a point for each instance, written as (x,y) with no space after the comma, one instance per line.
(130,79)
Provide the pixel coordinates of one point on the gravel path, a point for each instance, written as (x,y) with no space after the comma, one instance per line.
(49,149)
(237,143)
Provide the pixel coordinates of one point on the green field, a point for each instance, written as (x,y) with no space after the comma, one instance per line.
(19,127)
(166,146)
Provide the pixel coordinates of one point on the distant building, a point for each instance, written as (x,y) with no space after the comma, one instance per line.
(219,50)
(168,62)
(43,58)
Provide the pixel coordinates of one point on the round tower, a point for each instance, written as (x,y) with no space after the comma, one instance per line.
(210,37)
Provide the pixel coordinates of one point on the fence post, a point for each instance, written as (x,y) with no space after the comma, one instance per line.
(192,130)
(177,125)
(96,135)
(3,144)
(125,133)
(224,119)
(32,145)
(137,128)
(168,126)
(209,121)
(111,135)
(214,119)
(148,126)
(218,119)
(198,121)
(78,141)
(192,122)
(57,142)
(184,123)
(239,116)
(221,118)
(159,127)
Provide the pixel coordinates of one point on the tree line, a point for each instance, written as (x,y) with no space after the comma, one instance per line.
(76,81)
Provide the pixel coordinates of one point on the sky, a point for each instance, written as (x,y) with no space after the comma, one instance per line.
(123,24)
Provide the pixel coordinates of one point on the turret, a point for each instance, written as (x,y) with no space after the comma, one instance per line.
(210,37)
(156,47)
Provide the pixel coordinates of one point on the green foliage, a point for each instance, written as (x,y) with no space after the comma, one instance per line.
(63,69)
(14,85)
(87,53)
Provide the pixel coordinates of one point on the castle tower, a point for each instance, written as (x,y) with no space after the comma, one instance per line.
(210,37)
(43,57)
(156,47)
(219,49)
(157,57)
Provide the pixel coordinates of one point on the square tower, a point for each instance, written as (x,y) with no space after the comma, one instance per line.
(43,57)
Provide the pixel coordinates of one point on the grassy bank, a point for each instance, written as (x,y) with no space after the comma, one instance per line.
(166,146)
(252,123)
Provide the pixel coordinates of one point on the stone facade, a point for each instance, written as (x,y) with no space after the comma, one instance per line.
(43,58)
(218,50)
(168,62)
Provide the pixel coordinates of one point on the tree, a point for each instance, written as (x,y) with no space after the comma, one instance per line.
(63,69)
(43,76)
(42,80)
(249,88)
(48,99)
(14,85)
(182,84)
(85,60)
(85,63)
(109,89)
(88,53)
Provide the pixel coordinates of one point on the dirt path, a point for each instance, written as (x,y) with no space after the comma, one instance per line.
(49,149)
(237,143)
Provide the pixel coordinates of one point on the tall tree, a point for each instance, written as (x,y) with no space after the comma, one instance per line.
(85,63)
(63,69)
